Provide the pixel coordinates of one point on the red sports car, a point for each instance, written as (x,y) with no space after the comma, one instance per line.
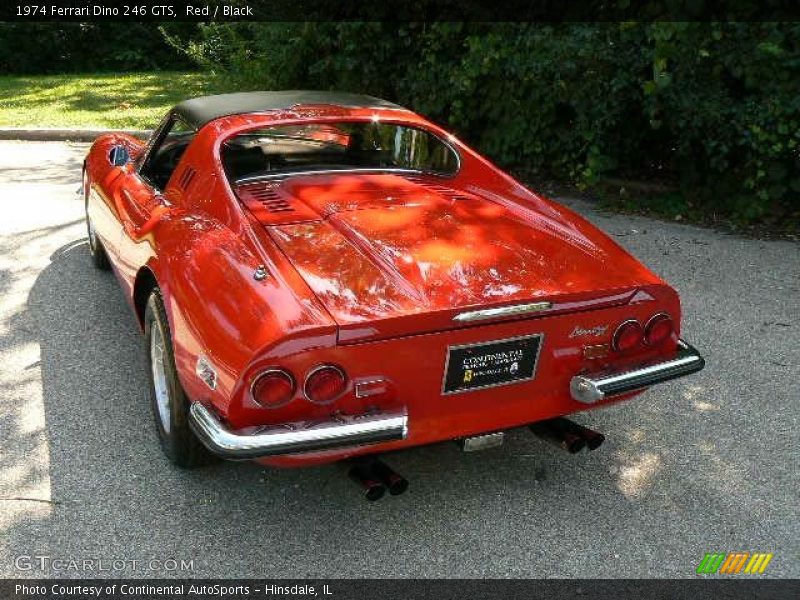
(322,276)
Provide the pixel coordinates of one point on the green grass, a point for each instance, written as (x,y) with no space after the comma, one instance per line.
(130,100)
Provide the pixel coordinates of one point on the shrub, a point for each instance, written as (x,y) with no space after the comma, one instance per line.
(709,109)
(36,48)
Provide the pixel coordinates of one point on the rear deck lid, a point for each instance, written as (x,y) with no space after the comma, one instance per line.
(395,255)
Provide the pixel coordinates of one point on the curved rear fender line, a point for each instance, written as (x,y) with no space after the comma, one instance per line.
(241,221)
(596,234)
(201,305)
(514,192)
(288,347)
(665,299)
(149,277)
(282,352)
(517,192)
(517,189)
(143,285)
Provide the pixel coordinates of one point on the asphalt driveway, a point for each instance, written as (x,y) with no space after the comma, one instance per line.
(705,464)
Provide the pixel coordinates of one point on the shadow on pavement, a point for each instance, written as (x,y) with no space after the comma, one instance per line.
(524,509)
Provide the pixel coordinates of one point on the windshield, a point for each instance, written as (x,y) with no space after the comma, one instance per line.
(329,146)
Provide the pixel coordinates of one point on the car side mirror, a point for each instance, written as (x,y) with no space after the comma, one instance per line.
(119,156)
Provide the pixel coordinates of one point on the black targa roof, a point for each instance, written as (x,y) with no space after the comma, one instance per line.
(199,111)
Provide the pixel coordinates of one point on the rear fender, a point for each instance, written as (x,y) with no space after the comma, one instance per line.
(219,311)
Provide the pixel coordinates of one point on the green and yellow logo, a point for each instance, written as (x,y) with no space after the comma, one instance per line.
(734,563)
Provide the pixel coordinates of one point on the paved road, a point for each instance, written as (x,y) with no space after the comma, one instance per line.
(709,463)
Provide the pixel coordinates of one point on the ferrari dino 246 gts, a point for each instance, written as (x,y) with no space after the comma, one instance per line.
(322,276)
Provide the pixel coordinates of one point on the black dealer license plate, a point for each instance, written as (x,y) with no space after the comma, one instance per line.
(487,364)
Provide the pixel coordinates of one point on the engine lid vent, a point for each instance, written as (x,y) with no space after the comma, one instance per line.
(271,199)
(272,206)
(438,189)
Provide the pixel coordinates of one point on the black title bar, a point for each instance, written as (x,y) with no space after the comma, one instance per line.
(399,10)
(398,589)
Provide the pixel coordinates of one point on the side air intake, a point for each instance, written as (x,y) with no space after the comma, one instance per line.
(186,178)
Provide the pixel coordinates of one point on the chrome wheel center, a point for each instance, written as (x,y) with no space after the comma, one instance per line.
(157,363)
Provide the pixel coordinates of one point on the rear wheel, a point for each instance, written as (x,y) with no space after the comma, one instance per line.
(168,401)
(96,250)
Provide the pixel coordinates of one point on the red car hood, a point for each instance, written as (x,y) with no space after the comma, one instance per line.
(394,255)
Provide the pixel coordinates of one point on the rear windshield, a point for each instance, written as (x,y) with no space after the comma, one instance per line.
(342,145)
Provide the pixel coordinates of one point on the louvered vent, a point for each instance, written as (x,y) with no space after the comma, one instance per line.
(186,178)
(270,199)
(441,190)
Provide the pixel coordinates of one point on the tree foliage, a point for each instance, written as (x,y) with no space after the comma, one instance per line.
(37,48)
(709,109)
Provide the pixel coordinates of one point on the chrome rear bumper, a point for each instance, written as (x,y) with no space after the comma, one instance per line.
(288,438)
(590,389)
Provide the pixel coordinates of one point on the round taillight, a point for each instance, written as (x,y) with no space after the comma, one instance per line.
(273,388)
(658,329)
(628,336)
(324,384)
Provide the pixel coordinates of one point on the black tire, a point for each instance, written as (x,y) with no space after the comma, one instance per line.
(96,250)
(176,437)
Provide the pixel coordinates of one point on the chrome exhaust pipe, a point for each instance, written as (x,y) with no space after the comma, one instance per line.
(362,473)
(556,433)
(594,439)
(396,484)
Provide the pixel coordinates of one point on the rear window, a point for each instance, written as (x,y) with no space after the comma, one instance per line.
(342,145)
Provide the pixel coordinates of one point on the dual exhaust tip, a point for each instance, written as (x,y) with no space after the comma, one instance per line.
(376,478)
(568,435)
